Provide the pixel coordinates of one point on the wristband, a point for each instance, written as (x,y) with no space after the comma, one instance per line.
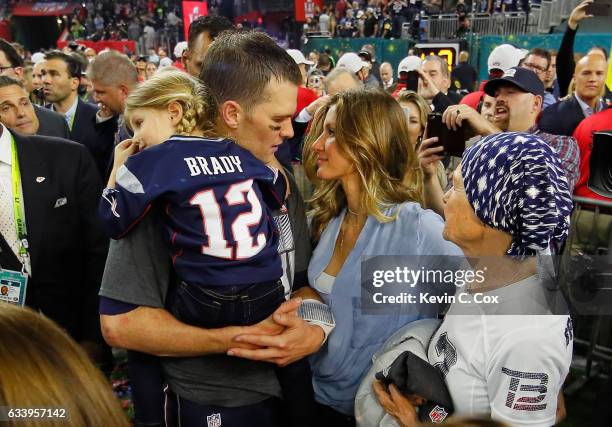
(319,314)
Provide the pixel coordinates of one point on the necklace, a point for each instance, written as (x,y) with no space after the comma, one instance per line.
(347,224)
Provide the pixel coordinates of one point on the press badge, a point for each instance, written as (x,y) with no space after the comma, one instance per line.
(13,286)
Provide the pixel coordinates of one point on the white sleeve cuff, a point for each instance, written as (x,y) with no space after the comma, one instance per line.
(319,314)
(303,117)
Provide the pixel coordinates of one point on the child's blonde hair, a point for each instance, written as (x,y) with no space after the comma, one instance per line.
(199,107)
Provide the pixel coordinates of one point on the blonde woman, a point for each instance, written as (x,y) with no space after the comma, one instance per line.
(416,110)
(362,206)
(44,368)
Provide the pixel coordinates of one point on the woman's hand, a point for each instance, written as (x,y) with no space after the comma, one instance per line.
(429,156)
(296,340)
(400,407)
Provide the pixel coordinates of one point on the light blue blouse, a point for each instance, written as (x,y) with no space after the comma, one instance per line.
(340,365)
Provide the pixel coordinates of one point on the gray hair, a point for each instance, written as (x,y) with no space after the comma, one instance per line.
(337,72)
(441,62)
(113,68)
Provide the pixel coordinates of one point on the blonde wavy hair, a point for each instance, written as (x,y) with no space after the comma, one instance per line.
(406,96)
(199,107)
(371,131)
(42,367)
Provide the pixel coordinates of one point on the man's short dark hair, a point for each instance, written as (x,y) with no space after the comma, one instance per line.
(542,53)
(73,63)
(324,60)
(213,25)
(11,53)
(6,81)
(240,64)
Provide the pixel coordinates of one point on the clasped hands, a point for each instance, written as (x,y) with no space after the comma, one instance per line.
(282,338)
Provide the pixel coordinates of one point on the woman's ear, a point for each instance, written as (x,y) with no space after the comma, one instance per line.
(175,110)
(231,114)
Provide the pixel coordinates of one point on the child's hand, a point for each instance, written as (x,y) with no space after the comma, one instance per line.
(123,150)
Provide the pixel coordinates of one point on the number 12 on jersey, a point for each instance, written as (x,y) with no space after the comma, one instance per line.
(237,194)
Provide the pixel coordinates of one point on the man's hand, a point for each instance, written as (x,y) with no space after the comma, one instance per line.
(456,116)
(429,156)
(427,88)
(104,111)
(297,340)
(400,407)
(578,14)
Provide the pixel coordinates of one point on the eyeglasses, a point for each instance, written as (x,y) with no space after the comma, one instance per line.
(535,68)
(5,68)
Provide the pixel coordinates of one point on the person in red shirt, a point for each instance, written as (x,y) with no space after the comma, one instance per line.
(588,225)
(305,95)
(340,9)
(584,135)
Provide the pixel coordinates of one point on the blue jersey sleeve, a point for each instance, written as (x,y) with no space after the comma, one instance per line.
(138,184)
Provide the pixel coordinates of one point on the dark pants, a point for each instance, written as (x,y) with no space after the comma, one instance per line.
(227,305)
(185,413)
(147,384)
(216,308)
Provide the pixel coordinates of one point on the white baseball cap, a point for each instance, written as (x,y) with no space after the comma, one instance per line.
(37,57)
(179,48)
(409,63)
(352,62)
(298,57)
(504,57)
(165,62)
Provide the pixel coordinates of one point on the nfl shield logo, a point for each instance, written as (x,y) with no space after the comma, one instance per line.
(438,414)
(214,420)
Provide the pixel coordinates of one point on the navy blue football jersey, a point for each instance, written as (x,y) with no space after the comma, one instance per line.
(218,226)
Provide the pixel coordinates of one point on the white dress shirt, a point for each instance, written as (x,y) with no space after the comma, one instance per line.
(586,109)
(69,116)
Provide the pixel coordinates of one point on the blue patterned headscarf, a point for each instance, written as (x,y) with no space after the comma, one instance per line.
(515,183)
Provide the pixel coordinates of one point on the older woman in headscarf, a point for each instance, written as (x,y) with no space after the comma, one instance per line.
(509,202)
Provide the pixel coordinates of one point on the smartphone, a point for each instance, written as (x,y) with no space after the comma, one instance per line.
(412,82)
(599,8)
(453,141)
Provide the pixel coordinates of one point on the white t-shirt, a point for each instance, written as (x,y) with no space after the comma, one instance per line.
(324,23)
(509,367)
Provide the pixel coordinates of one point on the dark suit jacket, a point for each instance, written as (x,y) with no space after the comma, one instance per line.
(61,190)
(98,137)
(561,118)
(51,123)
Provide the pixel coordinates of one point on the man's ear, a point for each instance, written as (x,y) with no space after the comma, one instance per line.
(231,114)
(125,91)
(75,82)
(19,72)
(538,101)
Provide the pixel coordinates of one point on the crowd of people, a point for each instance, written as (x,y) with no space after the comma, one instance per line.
(385,18)
(156,210)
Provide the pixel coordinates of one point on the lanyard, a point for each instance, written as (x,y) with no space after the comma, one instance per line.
(18,208)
